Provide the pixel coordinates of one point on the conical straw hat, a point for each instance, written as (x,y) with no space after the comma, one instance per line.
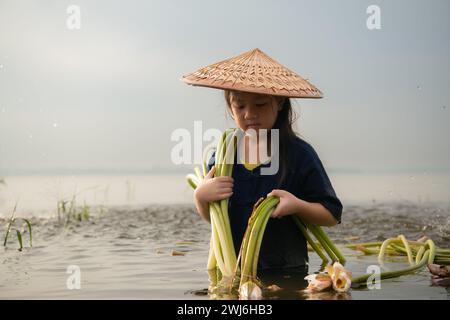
(253,71)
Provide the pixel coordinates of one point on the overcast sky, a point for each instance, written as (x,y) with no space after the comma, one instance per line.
(108,96)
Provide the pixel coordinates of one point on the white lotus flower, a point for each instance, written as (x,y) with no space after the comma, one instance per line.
(336,276)
(340,277)
(318,282)
(250,291)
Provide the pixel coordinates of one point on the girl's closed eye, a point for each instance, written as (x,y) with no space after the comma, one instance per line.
(261,102)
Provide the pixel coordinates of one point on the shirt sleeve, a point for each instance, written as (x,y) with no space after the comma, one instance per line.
(316,187)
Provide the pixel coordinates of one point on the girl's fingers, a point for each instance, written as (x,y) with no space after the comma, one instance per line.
(224,179)
(275,193)
(275,213)
(225,185)
(211,172)
(225,195)
(222,185)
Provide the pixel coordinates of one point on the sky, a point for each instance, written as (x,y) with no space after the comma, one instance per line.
(107,97)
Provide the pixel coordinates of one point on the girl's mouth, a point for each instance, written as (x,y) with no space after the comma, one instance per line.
(254,126)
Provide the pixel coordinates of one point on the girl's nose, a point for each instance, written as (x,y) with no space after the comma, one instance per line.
(250,113)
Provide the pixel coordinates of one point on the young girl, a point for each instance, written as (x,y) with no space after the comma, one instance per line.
(256,102)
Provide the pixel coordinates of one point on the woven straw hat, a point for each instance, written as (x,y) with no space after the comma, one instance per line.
(256,72)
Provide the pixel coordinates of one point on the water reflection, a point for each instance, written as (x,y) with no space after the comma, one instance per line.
(326,295)
(284,284)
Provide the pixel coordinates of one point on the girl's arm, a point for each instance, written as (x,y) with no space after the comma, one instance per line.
(311,212)
(315,213)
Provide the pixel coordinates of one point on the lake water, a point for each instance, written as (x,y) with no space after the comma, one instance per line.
(125,248)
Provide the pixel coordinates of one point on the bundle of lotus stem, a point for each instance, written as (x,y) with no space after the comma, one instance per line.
(419,253)
(249,287)
(222,252)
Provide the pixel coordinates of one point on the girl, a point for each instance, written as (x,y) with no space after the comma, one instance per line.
(301,182)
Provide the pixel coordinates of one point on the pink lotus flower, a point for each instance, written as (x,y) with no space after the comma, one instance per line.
(340,277)
(336,276)
(318,282)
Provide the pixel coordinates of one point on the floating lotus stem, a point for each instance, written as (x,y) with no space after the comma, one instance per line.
(419,254)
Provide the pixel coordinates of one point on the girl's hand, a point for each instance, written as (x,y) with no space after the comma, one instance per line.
(214,188)
(289,204)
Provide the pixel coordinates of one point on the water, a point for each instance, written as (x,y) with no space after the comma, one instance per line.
(125,250)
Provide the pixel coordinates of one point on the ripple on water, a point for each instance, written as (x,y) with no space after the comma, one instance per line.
(126,252)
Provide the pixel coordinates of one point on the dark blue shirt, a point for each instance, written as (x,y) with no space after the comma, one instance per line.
(283,244)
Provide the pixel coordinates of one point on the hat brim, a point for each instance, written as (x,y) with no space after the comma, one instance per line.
(256,72)
(261,90)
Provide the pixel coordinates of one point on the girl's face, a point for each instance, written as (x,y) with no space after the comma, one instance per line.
(254,111)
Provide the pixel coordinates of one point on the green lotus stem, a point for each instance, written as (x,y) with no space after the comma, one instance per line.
(245,247)
(270,206)
(216,246)
(219,153)
(389,251)
(407,248)
(366,250)
(247,266)
(311,242)
(322,241)
(223,253)
(432,247)
(192,180)
(244,243)
(227,169)
(394,274)
(384,247)
(247,252)
(212,262)
(401,250)
(428,257)
(198,173)
(253,238)
(442,262)
(420,254)
(228,255)
(442,253)
(213,276)
(424,252)
(230,148)
(331,245)
(366,244)
(379,244)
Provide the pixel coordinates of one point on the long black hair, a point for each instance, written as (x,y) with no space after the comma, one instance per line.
(284,122)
